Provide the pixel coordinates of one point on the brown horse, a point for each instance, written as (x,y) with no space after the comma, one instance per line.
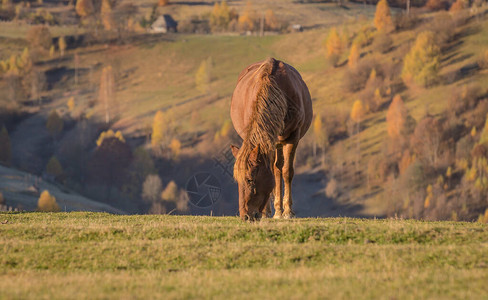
(271,111)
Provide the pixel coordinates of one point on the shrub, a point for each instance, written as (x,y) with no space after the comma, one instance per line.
(421,64)
(47,203)
(404,21)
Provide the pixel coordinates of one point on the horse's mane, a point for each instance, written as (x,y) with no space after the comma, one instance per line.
(267,119)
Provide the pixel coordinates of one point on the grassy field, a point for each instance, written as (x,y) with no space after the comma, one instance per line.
(100,256)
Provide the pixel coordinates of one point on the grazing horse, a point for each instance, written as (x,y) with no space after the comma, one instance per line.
(271,110)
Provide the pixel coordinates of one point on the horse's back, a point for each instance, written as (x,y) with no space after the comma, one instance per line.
(288,80)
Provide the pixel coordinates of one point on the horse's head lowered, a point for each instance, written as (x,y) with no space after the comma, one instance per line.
(256,182)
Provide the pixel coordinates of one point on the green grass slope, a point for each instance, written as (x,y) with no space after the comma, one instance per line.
(100,256)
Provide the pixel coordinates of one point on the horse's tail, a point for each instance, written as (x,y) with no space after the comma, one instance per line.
(268,116)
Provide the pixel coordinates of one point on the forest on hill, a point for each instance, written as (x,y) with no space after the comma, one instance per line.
(127,103)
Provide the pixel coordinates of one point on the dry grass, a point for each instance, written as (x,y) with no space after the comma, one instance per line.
(99,256)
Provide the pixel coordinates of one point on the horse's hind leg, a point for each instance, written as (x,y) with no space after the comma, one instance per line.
(288,172)
(278,165)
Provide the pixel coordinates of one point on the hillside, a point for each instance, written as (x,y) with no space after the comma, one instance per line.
(99,256)
(24,189)
(158,72)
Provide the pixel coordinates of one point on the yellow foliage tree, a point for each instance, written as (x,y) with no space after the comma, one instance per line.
(421,64)
(320,133)
(71,104)
(358,111)
(220,16)
(106,14)
(382,17)
(175,147)
(62,45)
(54,123)
(170,193)
(158,130)
(202,77)
(110,134)
(270,20)
(47,203)
(54,167)
(84,8)
(396,117)
(333,47)
(248,18)
(458,6)
(352,61)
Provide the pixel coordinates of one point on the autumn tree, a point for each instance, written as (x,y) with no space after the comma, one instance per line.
(320,134)
(84,8)
(163,2)
(382,17)
(5,146)
(458,6)
(333,47)
(352,61)
(421,64)
(106,15)
(426,141)
(54,167)
(358,111)
(170,192)
(109,162)
(54,124)
(71,104)
(47,203)
(175,147)
(152,188)
(202,77)
(248,18)
(270,20)
(109,134)
(62,45)
(396,117)
(106,94)
(159,127)
(220,16)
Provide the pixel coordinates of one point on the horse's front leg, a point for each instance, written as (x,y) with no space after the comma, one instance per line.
(288,172)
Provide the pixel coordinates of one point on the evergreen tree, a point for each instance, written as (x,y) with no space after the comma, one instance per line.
(54,167)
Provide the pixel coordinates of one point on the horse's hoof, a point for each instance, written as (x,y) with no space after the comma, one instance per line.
(277,216)
(288,215)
